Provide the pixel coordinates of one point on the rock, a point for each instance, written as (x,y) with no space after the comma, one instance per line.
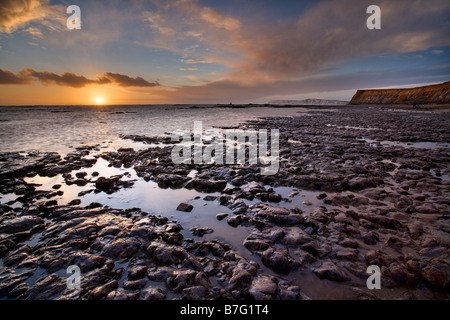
(86,262)
(238,207)
(120,249)
(239,276)
(160,274)
(370,238)
(46,287)
(328,270)
(295,237)
(277,260)
(429,242)
(15,257)
(208,186)
(200,232)
(9,284)
(182,279)
(185,207)
(349,243)
(416,230)
(74,202)
(171,181)
(103,290)
(274,197)
(104,184)
(359,183)
(255,244)
(444,227)
(312,247)
(164,254)
(20,224)
(322,196)
(137,272)
(437,275)
(371,255)
(153,293)
(221,216)
(122,295)
(236,220)
(194,293)
(94,205)
(263,288)
(80,182)
(18,291)
(143,232)
(134,284)
(398,272)
(289,292)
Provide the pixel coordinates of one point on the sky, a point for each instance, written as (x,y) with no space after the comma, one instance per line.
(207,51)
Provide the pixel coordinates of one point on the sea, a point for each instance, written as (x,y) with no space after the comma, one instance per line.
(63,128)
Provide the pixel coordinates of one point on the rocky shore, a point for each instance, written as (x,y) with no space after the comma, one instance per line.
(379,186)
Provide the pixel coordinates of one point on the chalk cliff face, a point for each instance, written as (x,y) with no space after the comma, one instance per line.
(433,94)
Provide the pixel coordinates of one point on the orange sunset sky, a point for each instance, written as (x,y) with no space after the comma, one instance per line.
(205,51)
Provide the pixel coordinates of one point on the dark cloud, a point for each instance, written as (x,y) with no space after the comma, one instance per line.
(125,81)
(69,79)
(8,77)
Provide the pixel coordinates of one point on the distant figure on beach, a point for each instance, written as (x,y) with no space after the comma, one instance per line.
(416,105)
(231,103)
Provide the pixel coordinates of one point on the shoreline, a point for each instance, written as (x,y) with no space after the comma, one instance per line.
(358,202)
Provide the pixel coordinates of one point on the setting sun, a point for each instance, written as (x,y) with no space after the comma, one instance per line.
(99,100)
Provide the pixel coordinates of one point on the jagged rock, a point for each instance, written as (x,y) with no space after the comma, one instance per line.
(263,288)
(20,224)
(121,248)
(328,270)
(153,293)
(278,260)
(206,185)
(185,207)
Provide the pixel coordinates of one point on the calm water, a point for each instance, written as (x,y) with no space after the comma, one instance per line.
(61,128)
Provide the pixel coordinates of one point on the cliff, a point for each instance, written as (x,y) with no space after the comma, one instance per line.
(433,94)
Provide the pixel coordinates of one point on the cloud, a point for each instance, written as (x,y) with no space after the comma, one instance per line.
(327,33)
(195,61)
(333,31)
(8,77)
(198,33)
(15,14)
(125,81)
(69,79)
(34,32)
(188,69)
(219,20)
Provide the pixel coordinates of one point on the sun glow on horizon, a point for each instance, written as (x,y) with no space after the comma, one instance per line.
(99,100)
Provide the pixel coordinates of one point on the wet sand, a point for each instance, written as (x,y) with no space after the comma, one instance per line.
(357,186)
